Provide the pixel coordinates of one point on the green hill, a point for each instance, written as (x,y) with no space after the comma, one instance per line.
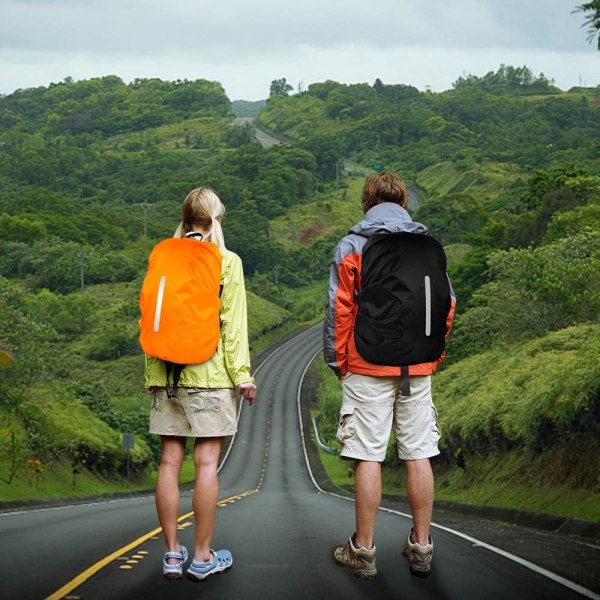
(519,426)
(93,173)
(508,167)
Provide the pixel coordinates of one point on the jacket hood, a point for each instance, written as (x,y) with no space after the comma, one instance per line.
(387,218)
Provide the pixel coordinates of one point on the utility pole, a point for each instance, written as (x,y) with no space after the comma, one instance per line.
(339,168)
(145,205)
(81,266)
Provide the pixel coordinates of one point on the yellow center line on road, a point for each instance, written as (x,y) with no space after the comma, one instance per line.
(90,571)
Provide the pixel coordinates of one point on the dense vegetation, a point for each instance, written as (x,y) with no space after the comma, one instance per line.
(247,108)
(509,168)
(92,173)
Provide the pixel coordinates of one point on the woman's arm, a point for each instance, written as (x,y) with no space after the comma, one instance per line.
(234,326)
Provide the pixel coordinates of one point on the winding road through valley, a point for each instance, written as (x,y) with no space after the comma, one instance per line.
(280,526)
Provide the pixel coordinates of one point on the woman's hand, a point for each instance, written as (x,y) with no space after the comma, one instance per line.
(247,391)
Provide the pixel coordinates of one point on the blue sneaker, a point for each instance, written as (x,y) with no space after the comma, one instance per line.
(202,571)
(174,571)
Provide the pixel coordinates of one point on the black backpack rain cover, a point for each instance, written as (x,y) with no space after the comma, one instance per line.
(404,300)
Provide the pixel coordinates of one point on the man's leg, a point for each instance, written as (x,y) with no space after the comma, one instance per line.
(419,487)
(368,499)
(359,552)
(417,435)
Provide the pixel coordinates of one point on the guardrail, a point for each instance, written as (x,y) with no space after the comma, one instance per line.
(320,441)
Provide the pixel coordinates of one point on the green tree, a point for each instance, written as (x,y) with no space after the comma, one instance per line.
(20,229)
(114,342)
(71,314)
(280,87)
(532,292)
(13,451)
(591,11)
(454,218)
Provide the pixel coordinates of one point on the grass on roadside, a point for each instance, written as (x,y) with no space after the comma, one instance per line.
(476,488)
(57,481)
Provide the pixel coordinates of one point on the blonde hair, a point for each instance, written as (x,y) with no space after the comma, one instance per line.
(203,208)
(383,187)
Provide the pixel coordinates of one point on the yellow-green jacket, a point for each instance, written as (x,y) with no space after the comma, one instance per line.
(230,364)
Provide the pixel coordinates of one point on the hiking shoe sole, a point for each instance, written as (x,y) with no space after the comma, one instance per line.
(419,557)
(174,571)
(360,561)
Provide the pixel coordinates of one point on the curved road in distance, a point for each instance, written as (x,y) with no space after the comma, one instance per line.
(263,137)
(280,528)
(414,199)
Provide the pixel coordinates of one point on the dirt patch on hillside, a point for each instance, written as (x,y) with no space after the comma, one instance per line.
(311,233)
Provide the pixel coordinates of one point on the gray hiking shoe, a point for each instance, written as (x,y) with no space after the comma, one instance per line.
(419,557)
(360,560)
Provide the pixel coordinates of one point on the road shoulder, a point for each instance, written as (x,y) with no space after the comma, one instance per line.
(568,547)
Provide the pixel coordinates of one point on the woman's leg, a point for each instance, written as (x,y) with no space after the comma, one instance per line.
(206,492)
(167,489)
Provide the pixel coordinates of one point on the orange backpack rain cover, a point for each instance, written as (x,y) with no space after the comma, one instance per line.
(180,301)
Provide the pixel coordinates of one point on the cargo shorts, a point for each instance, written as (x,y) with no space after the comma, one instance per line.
(372,406)
(194,412)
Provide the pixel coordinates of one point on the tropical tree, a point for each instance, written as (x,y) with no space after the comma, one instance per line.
(591,11)
(280,87)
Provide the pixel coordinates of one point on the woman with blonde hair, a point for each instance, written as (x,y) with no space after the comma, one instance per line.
(204,405)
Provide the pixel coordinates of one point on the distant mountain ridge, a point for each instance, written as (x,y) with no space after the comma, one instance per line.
(247,108)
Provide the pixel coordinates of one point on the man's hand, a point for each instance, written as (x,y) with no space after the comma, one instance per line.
(247,391)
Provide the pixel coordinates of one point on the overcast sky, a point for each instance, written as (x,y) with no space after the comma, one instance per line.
(245,44)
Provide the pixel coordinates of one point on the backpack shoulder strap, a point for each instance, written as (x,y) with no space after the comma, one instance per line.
(174,370)
(404,381)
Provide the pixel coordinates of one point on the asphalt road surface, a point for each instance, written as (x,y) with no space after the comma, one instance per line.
(280,528)
(266,140)
(263,137)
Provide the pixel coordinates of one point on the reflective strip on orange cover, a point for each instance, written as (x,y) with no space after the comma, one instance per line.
(185,275)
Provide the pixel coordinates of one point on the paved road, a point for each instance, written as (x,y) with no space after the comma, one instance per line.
(414,199)
(280,528)
(262,136)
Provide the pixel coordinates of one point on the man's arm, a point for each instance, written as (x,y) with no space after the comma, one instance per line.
(450,317)
(340,309)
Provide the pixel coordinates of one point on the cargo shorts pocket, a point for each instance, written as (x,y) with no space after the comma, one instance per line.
(204,400)
(435,424)
(347,424)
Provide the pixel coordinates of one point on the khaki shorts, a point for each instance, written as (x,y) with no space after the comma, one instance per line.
(194,412)
(371,405)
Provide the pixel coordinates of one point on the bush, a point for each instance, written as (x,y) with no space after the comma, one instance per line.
(533,292)
(112,343)
(527,394)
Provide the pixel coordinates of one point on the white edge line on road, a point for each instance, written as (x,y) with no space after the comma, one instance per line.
(477,543)
(82,504)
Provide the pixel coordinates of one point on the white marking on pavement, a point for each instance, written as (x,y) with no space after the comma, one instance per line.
(524,563)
